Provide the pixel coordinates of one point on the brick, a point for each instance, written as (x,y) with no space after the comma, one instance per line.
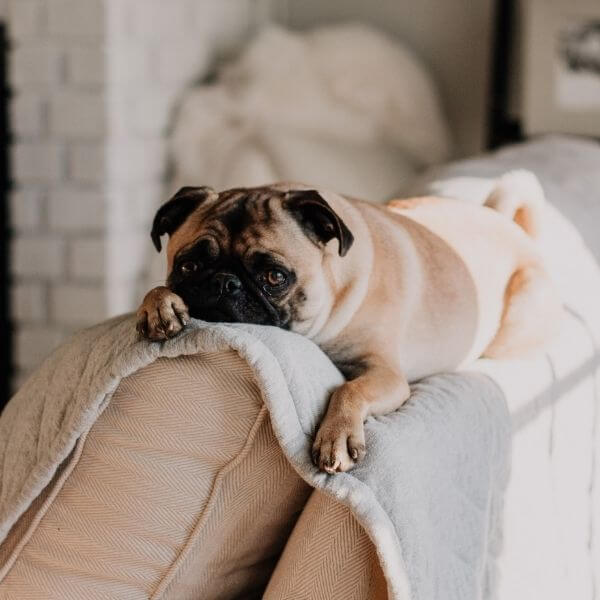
(134,205)
(138,161)
(35,64)
(128,63)
(27,115)
(34,343)
(38,162)
(26,17)
(85,65)
(36,256)
(128,254)
(124,296)
(76,18)
(78,115)
(87,259)
(71,209)
(119,17)
(157,18)
(86,163)
(77,304)
(151,114)
(25,209)
(28,301)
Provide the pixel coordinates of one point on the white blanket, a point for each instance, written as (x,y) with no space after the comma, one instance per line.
(305,106)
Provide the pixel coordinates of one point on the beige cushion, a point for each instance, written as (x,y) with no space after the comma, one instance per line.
(328,555)
(178,491)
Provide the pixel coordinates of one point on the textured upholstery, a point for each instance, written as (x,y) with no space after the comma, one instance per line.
(328,555)
(178,491)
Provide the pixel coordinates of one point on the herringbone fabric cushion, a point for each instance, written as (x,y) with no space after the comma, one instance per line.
(178,491)
(329,555)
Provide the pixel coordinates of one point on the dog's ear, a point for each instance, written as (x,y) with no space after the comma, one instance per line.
(174,212)
(320,222)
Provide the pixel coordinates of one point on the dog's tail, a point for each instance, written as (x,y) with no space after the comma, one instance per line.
(519,196)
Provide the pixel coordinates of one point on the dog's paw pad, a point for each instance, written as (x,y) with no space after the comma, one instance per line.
(338,446)
(162,315)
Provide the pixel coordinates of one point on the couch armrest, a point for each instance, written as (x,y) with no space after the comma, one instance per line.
(178,490)
(328,555)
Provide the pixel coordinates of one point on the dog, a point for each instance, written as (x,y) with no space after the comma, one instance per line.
(390,293)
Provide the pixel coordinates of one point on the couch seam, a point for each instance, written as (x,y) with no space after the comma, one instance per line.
(43,510)
(169,576)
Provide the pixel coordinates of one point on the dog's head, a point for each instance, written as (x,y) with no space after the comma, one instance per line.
(252,255)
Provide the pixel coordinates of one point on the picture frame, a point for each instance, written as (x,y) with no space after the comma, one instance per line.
(561,67)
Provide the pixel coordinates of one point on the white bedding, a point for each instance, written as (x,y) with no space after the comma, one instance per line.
(359,115)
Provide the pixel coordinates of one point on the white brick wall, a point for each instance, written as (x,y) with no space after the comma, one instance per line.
(25,18)
(85,65)
(34,342)
(86,162)
(94,85)
(79,18)
(150,17)
(77,115)
(86,259)
(58,203)
(76,210)
(29,302)
(27,115)
(26,208)
(35,64)
(77,303)
(37,161)
(37,256)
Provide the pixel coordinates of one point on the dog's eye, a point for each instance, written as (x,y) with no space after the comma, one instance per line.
(275,277)
(188,267)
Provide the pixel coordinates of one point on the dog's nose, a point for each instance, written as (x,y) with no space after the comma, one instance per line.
(226,283)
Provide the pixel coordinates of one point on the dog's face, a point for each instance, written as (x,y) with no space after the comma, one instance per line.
(252,255)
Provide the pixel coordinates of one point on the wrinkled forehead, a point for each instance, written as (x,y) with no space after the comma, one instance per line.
(240,221)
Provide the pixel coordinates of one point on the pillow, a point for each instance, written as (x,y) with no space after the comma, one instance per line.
(156,501)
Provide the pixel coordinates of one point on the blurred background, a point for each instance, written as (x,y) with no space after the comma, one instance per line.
(108,105)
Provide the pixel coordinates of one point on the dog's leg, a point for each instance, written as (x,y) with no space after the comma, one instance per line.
(531,316)
(340,440)
(162,314)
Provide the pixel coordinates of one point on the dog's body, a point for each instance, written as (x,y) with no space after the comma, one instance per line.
(391,294)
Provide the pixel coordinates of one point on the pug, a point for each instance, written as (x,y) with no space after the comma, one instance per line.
(391,293)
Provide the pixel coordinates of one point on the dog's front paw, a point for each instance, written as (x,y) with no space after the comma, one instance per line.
(340,442)
(163,314)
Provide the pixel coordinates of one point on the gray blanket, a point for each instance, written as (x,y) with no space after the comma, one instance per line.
(428,493)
